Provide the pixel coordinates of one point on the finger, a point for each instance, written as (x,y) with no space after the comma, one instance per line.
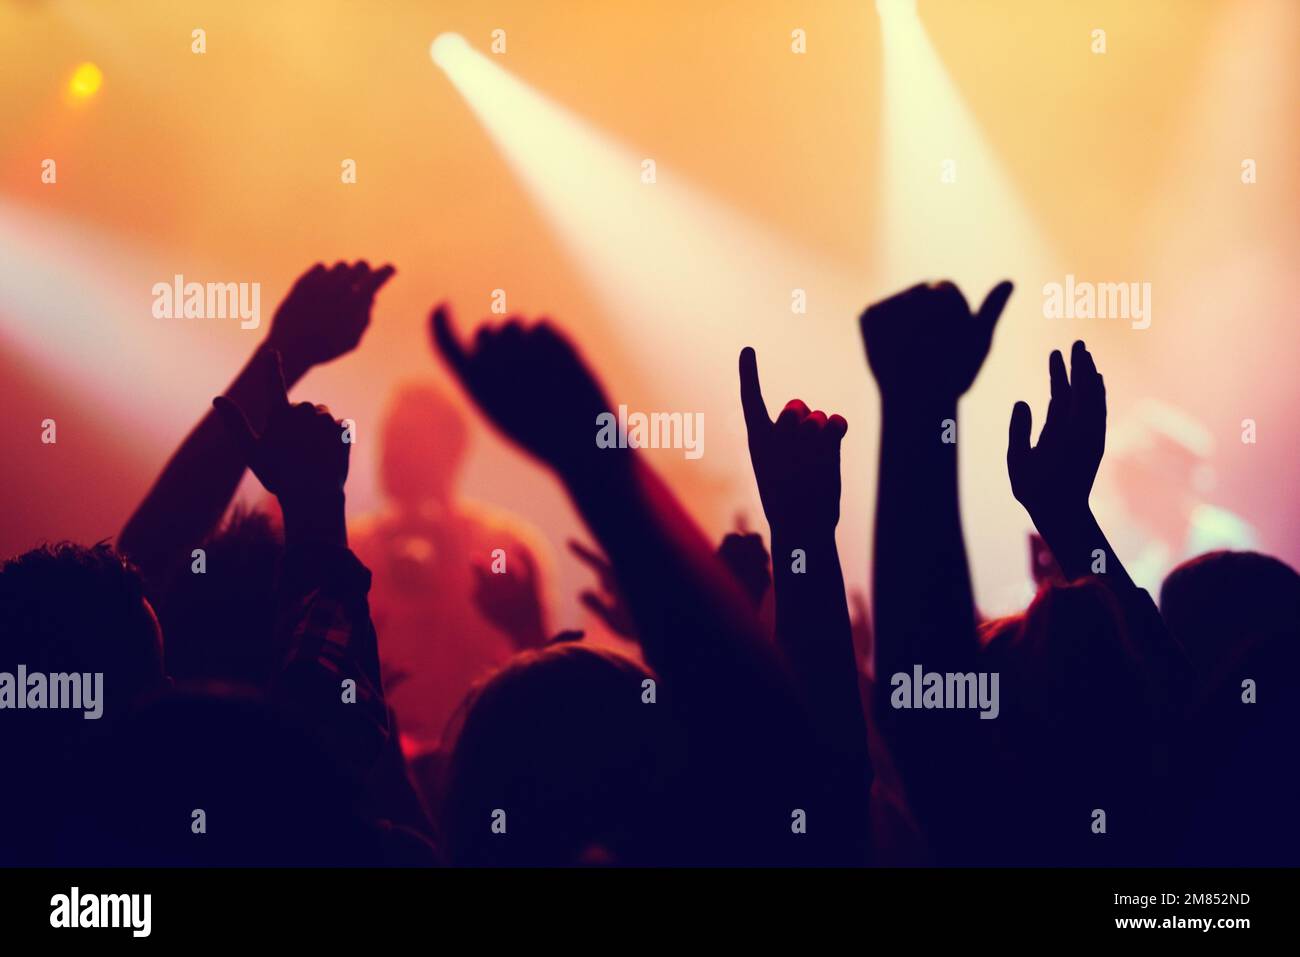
(991,311)
(949,290)
(812,423)
(1082,365)
(751,393)
(592,559)
(1018,432)
(837,427)
(311,275)
(1060,381)
(604,611)
(236,423)
(447,342)
(372,283)
(358,271)
(793,413)
(1089,389)
(512,333)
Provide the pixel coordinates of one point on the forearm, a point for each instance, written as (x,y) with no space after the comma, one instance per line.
(196,486)
(1079,545)
(688,609)
(923,603)
(330,675)
(814,631)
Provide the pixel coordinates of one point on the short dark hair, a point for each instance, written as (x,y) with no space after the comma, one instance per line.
(1225,605)
(560,740)
(67,607)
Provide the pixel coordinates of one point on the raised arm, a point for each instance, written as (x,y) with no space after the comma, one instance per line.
(748,731)
(925,348)
(323,317)
(796,462)
(329,673)
(531,383)
(1053,481)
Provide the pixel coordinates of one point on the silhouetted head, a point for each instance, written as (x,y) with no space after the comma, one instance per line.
(1070,675)
(559,753)
(219,624)
(66,608)
(1076,731)
(423,446)
(1225,606)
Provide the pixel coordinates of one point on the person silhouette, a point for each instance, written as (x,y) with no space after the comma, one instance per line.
(457,588)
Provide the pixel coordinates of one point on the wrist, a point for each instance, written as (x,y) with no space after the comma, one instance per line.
(593,469)
(315,517)
(808,535)
(922,406)
(293,366)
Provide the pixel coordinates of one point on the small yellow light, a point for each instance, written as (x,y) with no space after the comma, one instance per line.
(86,81)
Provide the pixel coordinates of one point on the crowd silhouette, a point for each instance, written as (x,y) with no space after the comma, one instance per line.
(284,707)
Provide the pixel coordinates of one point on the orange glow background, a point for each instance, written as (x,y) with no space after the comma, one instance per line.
(225,167)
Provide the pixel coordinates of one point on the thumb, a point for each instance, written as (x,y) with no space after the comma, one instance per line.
(447,341)
(993,305)
(1018,434)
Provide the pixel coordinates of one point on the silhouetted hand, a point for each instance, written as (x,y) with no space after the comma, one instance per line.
(324,314)
(509,600)
(796,459)
(1056,475)
(607,604)
(746,555)
(301,457)
(924,344)
(531,382)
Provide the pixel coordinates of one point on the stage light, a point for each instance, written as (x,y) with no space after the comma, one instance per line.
(447,47)
(69,330)
(655,247)
(949,210)
(680,279)
(896,8)
(85,82)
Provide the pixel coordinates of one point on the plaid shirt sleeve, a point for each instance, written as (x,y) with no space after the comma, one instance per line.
(326,639)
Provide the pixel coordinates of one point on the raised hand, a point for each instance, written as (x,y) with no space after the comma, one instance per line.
(924,344)
(1057,474)
(746,555)
(607,604)
(510,600)
(532,384)
(300,456)
(796,459)
(324,314)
